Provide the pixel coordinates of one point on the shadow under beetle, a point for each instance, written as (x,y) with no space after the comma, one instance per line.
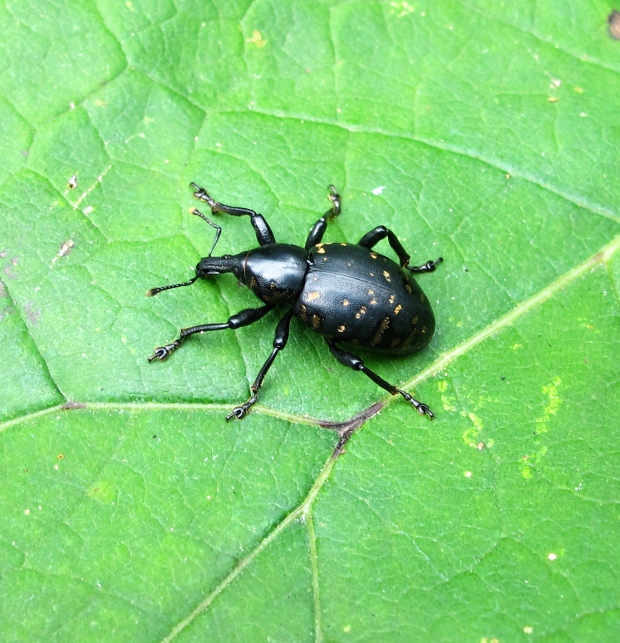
(346,292)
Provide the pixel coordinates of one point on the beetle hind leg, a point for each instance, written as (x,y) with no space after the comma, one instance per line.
(372,238)
(357,364)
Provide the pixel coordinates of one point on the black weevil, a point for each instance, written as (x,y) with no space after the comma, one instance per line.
(346,292)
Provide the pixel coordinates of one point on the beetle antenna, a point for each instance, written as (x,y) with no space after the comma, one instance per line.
(218,230)
(154,291)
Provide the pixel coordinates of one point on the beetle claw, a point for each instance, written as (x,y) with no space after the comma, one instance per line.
(202,195)
(162,352)
(239,412)
(420,407)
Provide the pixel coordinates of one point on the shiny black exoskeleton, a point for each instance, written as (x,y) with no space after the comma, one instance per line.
(346,292)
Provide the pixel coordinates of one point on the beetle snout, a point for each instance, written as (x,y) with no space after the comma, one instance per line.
(211,266)
(203,269)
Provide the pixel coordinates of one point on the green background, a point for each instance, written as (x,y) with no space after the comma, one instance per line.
(483,131)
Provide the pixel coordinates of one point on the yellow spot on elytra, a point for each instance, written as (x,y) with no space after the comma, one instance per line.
(392,298)
(373,302)
(374,255)
(320,249)
(397,309)
(345,302)
(360,312)
(385,322)
(341,329)
(386,274)
(371,292)
(313,295)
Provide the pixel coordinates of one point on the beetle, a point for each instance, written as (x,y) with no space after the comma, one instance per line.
(348,293)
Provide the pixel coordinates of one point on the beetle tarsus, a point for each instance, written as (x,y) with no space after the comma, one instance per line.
(334,197)
(429,266)
(239,412)
(201,194)
(163,352)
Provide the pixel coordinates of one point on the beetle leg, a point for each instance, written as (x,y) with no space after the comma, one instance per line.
(264,235)
(243,318)
(318,229)
(357,364)
(279,342)
(372,238)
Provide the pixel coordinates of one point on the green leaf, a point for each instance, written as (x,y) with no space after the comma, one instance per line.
(129,509)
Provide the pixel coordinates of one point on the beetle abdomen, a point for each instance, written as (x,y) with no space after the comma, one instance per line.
(353,294)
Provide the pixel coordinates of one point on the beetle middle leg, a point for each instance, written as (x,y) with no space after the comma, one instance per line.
(318,229)
(372,238)
(279,342)
(264,235)
(357,364)
(243,318)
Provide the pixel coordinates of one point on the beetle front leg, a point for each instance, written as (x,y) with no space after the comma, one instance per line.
(264,235)
(243,318)
(279,342)
(357,364)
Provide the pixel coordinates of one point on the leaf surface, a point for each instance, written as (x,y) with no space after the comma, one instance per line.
(129,509)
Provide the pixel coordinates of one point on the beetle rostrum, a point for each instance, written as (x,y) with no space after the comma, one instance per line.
(348,293)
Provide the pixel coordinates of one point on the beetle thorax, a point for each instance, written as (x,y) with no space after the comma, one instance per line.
(275,273)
